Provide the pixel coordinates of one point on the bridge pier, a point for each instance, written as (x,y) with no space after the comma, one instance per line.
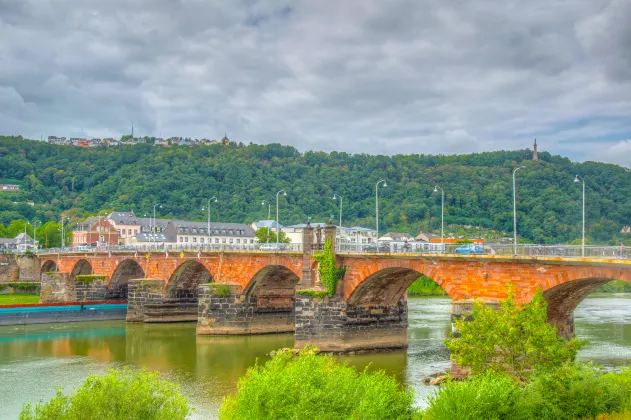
(333,325)
(142,292)
(57,287)
(229,311)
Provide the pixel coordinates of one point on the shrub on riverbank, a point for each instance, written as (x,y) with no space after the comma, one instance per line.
(573,391)
(312,386)
(516,339)
(424,286)
(117,395)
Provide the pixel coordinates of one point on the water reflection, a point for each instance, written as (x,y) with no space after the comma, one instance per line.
(33,359)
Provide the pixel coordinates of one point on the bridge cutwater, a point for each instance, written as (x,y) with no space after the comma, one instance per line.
(246,291)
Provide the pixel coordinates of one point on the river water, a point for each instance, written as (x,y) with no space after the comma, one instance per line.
(36,358)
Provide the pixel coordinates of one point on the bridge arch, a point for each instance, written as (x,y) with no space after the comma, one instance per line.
(563,298)
(185,280)
(49,266)
(126,270)
(81,268)
(272,286)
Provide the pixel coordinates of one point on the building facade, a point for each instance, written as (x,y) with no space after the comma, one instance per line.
(94,231)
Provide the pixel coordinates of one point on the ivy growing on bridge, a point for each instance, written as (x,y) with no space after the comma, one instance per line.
(330,274)
(89,278)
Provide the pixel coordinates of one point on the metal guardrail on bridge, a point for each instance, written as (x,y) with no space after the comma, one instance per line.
(420,248)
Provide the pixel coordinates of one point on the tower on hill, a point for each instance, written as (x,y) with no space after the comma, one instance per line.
(535,155)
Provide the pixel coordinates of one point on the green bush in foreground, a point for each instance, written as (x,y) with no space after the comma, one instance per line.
(516,339)
(311,386)
(117,395)
(573,391)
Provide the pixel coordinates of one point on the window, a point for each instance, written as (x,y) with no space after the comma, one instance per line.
(119,231)
(251,241)
(194,239)
(129,231)
(201,240)
(181,239)
(238,241)
(216,240)
(231,240)
(186,239)
(223,240)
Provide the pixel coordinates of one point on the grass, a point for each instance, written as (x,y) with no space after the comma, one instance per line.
(18,299)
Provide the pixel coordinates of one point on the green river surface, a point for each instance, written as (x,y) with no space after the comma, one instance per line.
(35,359)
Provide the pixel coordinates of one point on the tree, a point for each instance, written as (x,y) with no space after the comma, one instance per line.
(514,339)
(312,386)
(117,395)
(261,235)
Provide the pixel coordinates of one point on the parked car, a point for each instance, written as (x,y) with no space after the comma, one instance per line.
(377,248)
(273,247)
(469,249)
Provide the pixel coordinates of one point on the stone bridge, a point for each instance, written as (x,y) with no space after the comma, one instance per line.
(252,292)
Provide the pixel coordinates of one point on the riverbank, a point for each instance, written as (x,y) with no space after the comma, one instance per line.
(424,286)
(16,299)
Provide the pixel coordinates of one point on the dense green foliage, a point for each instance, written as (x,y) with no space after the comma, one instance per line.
(117,395)
(424,286)
(478,187)
(571,391)
(89,278)
(514,339)
(330,274)
(311,386)
(615,286)
(261,234)
(24,286)
(48,234)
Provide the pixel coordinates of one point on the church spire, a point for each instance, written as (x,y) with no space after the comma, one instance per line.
(535,154)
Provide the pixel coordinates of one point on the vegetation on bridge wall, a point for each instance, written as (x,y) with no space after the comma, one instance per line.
(330,274)
(89,278)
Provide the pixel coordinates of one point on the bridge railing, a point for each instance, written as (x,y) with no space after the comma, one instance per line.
(531,250)
(176,248)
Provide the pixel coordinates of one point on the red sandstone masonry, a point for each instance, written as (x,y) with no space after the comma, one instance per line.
(460,276)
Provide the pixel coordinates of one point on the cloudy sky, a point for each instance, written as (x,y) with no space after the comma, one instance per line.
(376,76)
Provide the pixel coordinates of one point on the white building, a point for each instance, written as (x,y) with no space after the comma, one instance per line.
(197,233)
(344,235)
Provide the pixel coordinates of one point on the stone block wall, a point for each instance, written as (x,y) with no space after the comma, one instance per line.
(141,292)
(91,292)
(335,326)
(57,287)
(238,314)
(29,268)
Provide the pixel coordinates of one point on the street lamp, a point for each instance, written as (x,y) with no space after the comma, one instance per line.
(154,221)
(269,215)
(377,204)
(515,212)
(334,197)
(35,231)
(209,200)
(277,225)
(63,238)
(576,179)
(442,215)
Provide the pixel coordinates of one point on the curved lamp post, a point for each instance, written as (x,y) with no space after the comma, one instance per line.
(515,212)
(442,216)
(335,196)
(576,179)
(209,200)
(377,204)
(269,215)
(277,225)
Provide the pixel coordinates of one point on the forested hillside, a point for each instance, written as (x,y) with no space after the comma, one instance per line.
(478,187)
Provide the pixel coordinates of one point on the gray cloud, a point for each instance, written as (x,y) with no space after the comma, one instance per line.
(397,76)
